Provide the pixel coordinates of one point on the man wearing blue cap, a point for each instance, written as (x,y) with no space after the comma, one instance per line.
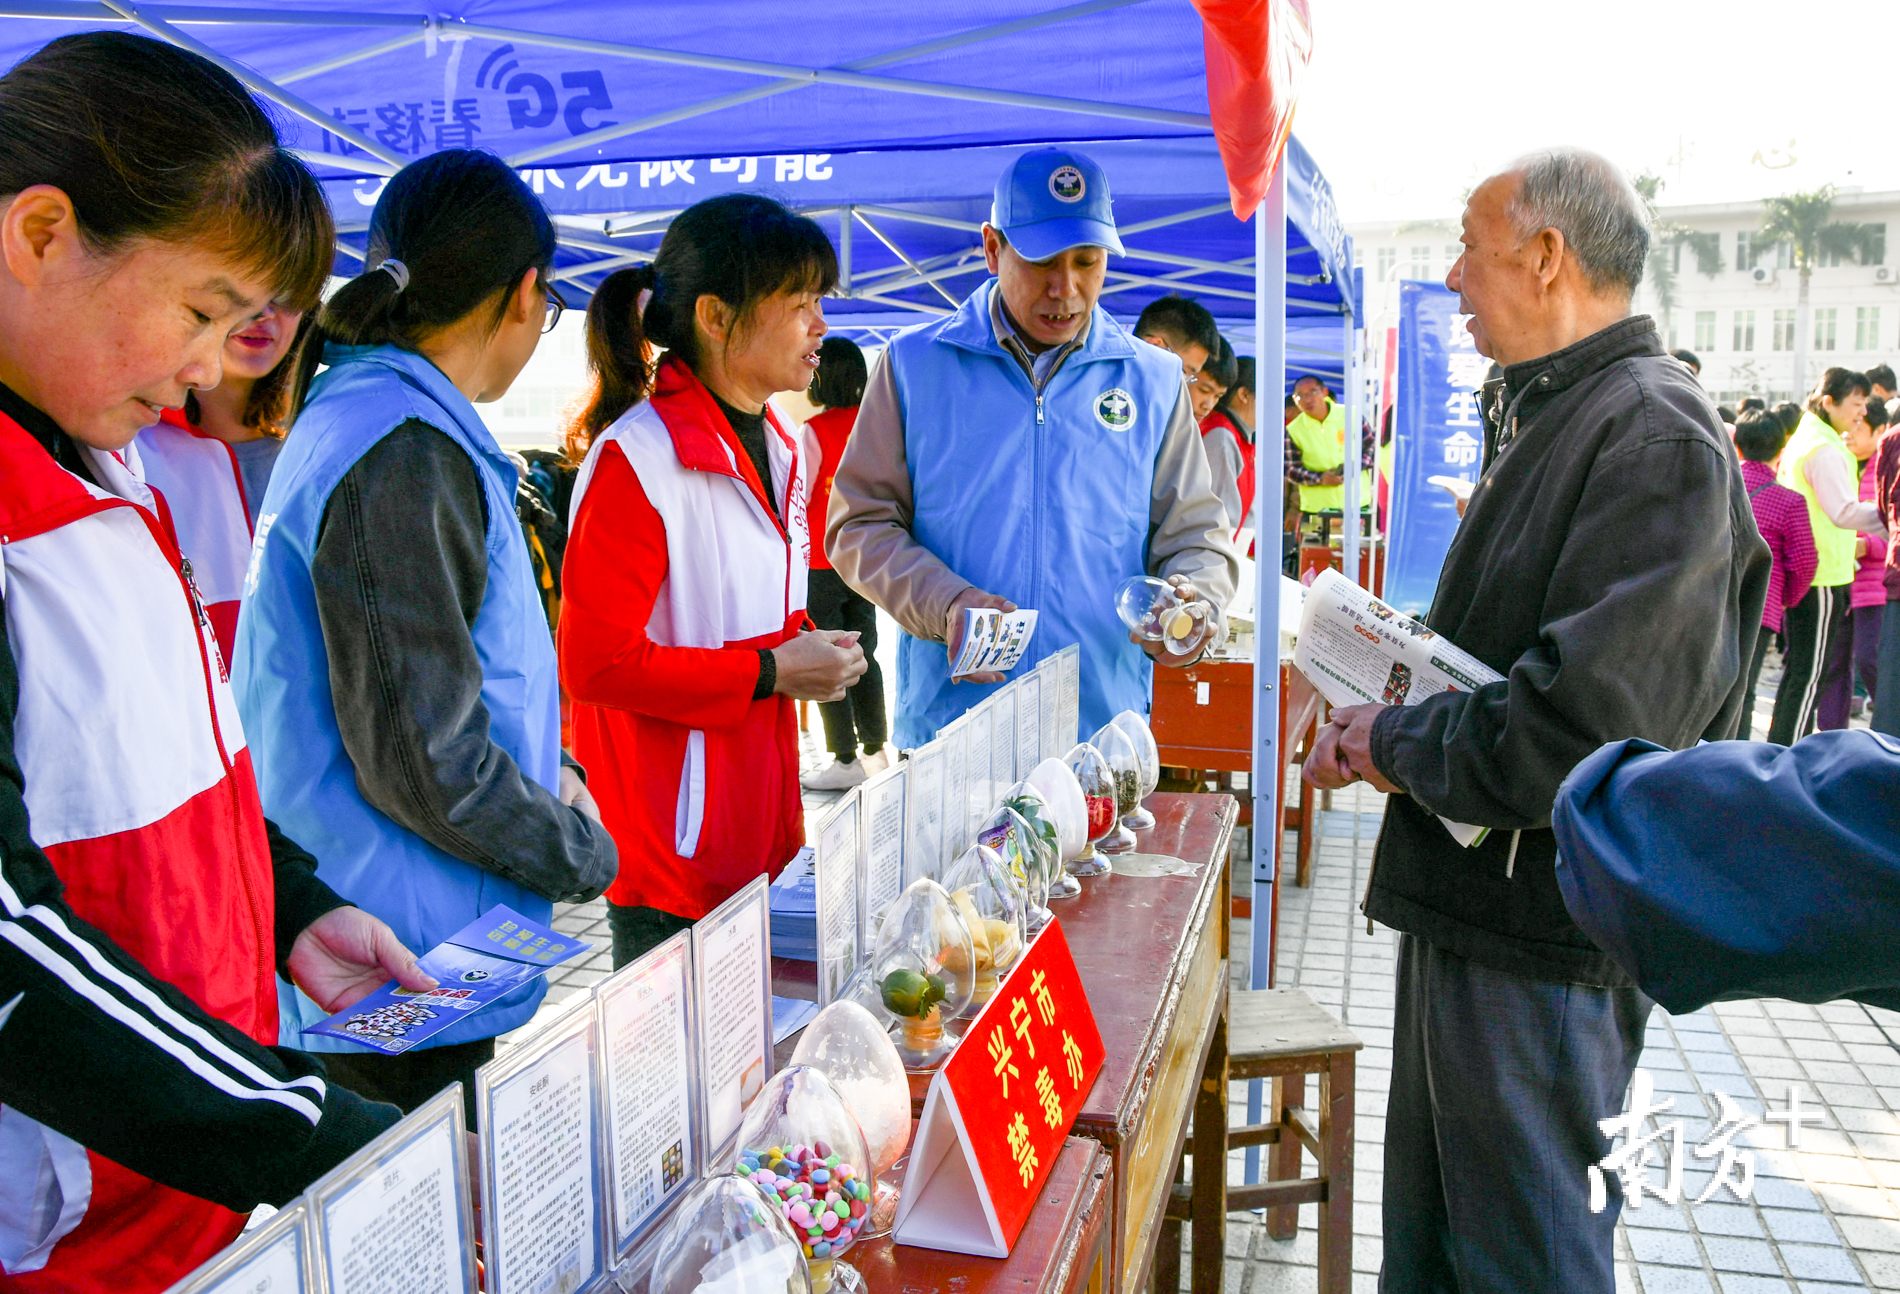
(1025,451)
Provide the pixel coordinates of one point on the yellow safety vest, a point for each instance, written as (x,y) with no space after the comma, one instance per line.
(1322,447)
(1834,546)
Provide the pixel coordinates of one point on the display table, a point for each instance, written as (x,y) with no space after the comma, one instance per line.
(1151,948)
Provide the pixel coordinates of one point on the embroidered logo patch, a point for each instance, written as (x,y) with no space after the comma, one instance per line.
(1115,409)
(1067,184)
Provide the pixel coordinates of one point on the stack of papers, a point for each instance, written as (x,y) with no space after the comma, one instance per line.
(795,910)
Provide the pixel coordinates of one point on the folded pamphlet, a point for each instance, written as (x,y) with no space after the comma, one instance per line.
(1459,488)
(486,959)
(1357,649)
(993,641)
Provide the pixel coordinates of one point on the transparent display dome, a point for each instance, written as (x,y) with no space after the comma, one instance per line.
(1027,803)
(1097,780)
(925,968)
(727,1237)
(863,989)
(1010,835)
(1155,611)
(852,1048)
(1125,767)
(992,905)
(1063,794)
(1136,729)
(801,1145)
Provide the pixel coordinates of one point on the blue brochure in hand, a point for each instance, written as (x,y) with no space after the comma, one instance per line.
(487,959)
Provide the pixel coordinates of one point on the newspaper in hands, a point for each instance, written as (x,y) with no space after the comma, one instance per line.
(1358,650)
(993,641)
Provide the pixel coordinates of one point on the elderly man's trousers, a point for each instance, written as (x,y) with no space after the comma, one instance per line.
(1498,1082)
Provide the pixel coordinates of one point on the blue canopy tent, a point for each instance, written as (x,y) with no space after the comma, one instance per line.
(597,102)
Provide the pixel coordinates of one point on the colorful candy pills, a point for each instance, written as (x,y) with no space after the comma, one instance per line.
(825,1200)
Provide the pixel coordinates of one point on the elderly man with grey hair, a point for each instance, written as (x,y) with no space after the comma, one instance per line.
(1609,568)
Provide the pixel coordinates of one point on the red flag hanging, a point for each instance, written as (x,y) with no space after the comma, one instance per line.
(1257,52)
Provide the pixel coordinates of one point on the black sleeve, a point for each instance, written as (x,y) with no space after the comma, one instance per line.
(400,569)
(1637,639)
(301,897)
(97,1049)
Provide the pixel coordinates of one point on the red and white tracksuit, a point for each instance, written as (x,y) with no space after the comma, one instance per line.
(676,573)
(201,496)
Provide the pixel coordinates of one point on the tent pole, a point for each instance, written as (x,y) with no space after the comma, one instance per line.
(1269,330)
(1349,405)
(844,250)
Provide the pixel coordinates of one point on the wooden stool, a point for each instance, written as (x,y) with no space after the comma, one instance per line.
(1282,1035)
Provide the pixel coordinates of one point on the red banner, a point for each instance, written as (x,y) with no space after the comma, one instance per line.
(1257,52)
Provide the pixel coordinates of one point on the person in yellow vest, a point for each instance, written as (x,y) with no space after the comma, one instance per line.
(1817,465)
(1316,451)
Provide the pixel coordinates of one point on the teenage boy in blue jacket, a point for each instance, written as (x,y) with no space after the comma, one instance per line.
(1026,451)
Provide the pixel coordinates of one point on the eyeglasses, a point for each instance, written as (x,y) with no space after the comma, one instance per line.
(556,307)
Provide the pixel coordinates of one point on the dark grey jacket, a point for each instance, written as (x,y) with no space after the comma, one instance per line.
(1609,567)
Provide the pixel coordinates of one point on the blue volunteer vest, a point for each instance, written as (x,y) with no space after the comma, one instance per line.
(282,676)
(1042,501)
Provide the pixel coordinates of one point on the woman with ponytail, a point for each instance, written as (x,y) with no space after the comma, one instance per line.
(392,657)
(684,638)
(147,213)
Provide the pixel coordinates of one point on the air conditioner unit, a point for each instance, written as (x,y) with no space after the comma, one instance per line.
(1762,274)
(1884,274)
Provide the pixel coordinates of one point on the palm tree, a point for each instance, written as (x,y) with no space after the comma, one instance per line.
(1666,233)
(1804,221)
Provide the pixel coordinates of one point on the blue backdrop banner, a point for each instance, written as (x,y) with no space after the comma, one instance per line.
(1438,433)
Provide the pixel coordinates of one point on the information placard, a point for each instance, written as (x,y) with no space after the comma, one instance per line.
(1069,712)
(537,1117)
(394,1218)
(956,772)
(923,812)
(881,830)
(645,1051)
(274,1257)
(1028,725)
(978,792)
(835,870)
(1002,744)
(732,1008)
(1050,736)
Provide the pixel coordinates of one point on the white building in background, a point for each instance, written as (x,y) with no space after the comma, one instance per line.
(1736,310)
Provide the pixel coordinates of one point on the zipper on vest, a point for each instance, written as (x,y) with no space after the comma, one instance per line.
(1039,408)
(204,617)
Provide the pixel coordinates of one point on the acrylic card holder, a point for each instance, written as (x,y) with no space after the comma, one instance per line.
(955,740)
(923,812)
(273,1257)
(395,1217)
(1049,722)
(732,1010)
(544,1213)
(979,789)
(1069,713)
(1028,723)
(1002,744)
(881,836)
(835,867)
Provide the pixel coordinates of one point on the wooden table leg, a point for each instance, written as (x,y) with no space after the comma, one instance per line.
(1283,1161)
(1165,1276)
(1335,1211)
(1210,1169)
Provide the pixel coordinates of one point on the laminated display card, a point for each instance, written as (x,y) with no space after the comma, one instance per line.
(1069,713)
(1028,724)
(394,1218)
(732,1009)
(955,741)
(1002,744)
(647,1081)
(485,960)
(1049,722)
(270,1259)
(923,812)
(537,1111)
(998,1110)
(835,870)
(978,792)
(881,833)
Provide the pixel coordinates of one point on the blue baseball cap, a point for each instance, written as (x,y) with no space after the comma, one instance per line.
(1052,199)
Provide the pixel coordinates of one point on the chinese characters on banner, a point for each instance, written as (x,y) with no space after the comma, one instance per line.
(1438,431)
(1001,1106)
(1648,1161)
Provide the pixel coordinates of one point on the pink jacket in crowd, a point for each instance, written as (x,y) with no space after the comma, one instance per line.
(1870,586)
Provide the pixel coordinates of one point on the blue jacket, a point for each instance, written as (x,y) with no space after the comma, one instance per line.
(1042,500)
(1739,869)
(282,674)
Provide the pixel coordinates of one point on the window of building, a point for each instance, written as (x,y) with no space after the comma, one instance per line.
(1452,252)
(1388,261)
(1784,256)
(1830,259)
(1875,252)
(1744,330)
(1421,267)
(1826,327)
(1866,327)
(1705,330)
(1784,331)
(1744,251)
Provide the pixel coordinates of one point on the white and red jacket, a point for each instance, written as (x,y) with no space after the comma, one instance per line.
(137,939)
(677,572)
(201,496)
